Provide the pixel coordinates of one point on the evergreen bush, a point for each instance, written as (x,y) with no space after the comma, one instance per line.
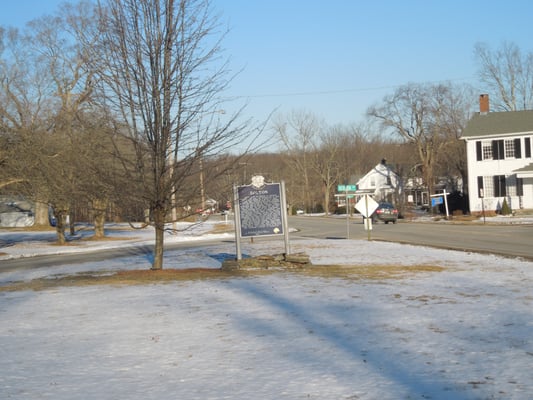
(506,210)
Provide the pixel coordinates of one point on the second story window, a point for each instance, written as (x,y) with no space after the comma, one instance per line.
(499,149)
(487,150)
(509,149)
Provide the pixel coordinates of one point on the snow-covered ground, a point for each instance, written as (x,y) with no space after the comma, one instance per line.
(462,333)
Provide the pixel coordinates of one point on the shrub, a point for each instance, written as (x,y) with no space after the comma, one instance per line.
(505,210)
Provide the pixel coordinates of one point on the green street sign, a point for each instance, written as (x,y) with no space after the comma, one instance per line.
(346,188)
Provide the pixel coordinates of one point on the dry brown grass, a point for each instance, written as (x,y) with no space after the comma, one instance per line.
(33,228)
(148,277)
(465,218)
(222,228)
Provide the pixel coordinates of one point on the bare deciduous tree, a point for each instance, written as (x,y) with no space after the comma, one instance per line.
(423,115)
(298,133)
(159,68)
(65,60)
(508,75)
(458,107)
(25,108)
(60,136)
(325,163)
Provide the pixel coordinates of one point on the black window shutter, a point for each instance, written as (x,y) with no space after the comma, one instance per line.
(479,186)
(499,185)
(496,184)
(519,187)
(497,150)
(527,145)
(479,151)
(501,150)
(517,149)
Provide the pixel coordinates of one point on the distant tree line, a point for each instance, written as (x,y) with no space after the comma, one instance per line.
(417,129)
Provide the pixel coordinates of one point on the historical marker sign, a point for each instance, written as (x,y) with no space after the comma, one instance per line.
(260,210)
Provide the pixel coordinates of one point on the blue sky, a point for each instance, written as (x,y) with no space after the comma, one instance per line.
(336,58)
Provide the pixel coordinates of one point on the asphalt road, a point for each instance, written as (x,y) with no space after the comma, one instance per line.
(51,260)
(507,240)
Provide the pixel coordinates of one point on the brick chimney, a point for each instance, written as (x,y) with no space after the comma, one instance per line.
(483,104)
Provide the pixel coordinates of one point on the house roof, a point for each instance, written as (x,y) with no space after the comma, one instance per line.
(525,172)
(499,124)
(382,169)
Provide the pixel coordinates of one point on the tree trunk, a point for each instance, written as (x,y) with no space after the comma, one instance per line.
(99,222)
(71,223)
(60,226)
(159,223)
(99,209)
(41,214)
(307,193)
(326,199)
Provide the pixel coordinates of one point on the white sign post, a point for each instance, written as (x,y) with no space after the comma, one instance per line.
(437,199)
(346,189)
(366,206)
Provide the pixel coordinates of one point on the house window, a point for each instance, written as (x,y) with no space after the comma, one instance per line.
(372,182)
(512,185)
(488,186)
(492,186)
(509,149)
(501,149)
(487,150)
(515,186)
(527,145)
(513,148)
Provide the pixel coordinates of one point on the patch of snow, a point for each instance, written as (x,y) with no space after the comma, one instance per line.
(463,333)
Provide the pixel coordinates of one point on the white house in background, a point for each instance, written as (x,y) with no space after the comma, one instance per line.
(499,158)
(16,212)
(381,182)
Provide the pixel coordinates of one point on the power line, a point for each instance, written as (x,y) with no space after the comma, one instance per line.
(340,91)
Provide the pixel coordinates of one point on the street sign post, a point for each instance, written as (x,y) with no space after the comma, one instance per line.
(366,206)
(440,198)
(346,189)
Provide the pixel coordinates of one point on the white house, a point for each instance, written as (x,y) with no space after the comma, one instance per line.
(380,182)
(499,158)
(16,212)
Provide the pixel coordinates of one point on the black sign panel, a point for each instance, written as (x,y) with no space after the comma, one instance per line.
(260,210)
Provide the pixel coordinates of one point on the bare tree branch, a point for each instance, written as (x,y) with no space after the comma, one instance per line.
(508,75)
